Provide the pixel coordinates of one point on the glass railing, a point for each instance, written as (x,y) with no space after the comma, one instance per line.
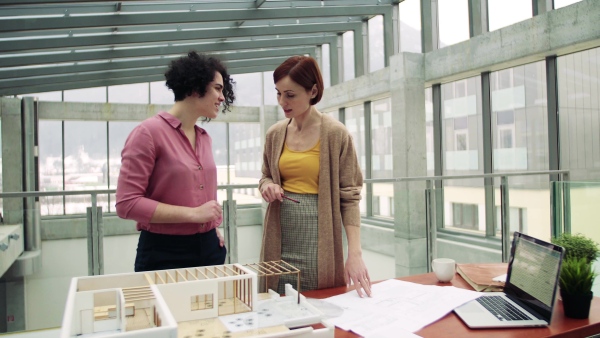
(466,217)
(576,207)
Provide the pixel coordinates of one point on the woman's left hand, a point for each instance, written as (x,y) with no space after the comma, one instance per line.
(221,239)
(356,273)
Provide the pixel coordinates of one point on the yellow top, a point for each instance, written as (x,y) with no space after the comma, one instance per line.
(299,170)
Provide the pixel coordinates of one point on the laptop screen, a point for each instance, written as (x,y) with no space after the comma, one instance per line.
(533,273)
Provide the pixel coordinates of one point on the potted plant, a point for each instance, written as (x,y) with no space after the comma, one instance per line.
(576,280)
(577,246)
(577,274)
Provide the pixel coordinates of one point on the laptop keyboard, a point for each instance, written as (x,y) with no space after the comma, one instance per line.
(502,309)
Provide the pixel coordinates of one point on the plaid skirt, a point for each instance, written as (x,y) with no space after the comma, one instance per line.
(299,240)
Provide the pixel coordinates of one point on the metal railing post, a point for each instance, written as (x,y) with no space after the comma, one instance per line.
(430,227)
(95,239)
(229,227)
(566,206)
(504,218)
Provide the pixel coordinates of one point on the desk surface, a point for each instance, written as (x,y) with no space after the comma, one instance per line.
(452,326)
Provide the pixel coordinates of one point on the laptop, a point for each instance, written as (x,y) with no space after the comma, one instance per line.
(529,292)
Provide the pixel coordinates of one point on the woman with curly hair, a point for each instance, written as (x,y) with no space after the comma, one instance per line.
(168,177)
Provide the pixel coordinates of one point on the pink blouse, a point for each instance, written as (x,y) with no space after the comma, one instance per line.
(159,165)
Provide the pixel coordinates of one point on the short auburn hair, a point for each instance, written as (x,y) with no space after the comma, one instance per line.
(303,70)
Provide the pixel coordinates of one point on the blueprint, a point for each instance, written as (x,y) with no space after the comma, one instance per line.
(397,305)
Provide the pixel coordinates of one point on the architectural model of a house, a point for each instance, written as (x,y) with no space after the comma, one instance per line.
(215,301)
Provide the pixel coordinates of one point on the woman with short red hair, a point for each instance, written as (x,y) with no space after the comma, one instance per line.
(312,181)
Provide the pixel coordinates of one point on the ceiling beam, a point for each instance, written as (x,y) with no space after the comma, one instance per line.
(73,56)
(162,37)
(70,69)
(115,81)
(160,69)
(155,19)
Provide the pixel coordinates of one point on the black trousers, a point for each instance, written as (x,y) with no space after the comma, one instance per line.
(162,252)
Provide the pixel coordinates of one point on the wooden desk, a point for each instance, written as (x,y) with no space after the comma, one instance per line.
(452,326)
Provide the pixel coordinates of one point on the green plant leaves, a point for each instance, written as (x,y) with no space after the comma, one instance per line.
(576,276)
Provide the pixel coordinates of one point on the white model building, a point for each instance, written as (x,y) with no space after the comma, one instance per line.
(215,301)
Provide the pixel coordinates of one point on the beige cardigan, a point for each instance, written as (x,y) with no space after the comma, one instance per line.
(340,183)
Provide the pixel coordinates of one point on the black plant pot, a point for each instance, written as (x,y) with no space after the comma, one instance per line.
(576,306)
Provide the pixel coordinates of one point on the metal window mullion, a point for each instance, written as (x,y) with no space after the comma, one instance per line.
(360,50)
(438,162)
(391,33)
(368,154)
(552,114)
(366,47)
(227,126)
(108,162)
(342,115)
(340,58)
(429,25)
(430,227)
(64,181)
(488,165)
(541,6)
(478,17)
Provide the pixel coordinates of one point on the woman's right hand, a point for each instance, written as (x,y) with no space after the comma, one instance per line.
(272,192)
(208,212)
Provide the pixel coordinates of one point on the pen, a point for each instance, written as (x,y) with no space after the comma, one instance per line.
(291,199)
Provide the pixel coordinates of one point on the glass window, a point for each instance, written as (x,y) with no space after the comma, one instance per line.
(218,135)
(334,113)
(410,26)
(48,96)
(118,131)
(269,89)
(519,119)
(429,130)
(579,113)
(453,22)
(50,165)
(325,65)
(504,13)
(461,127)
(355,122)
(348,50)
(246,160)
(248,92)
(96,95)
(462,152)
(376,57)
(562,3)
(160,93)
(465,216)
(518,220)
(85,155)
(382,156)
(129,93)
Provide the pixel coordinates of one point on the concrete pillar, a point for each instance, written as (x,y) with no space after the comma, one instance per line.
(12,159)
(12,291)
(407,83)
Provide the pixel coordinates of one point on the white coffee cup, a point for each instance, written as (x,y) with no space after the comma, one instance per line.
(444,269)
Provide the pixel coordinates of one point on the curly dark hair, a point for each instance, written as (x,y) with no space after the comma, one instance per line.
(193,72)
